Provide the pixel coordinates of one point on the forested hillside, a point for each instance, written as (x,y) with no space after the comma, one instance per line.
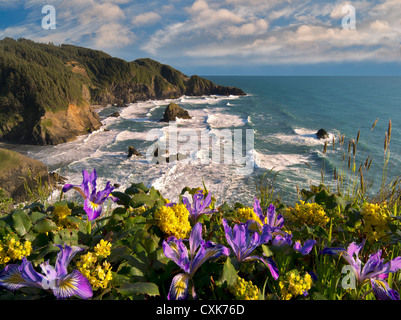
(46,90)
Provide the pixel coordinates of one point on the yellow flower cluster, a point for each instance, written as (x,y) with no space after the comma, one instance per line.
(139,210)
(103,248)
(311,214)
(244,290)
(11,249)
(247,213)
(294,285)
(376,218)
(60,214)
(91,266)
(174,221)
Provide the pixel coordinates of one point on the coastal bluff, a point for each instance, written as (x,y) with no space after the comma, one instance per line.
(47,91)
(20,175)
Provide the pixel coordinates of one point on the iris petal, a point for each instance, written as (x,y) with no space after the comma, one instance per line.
(11,278)
(73,284)
(179,288)
(175,250)
(64,258)
(207,251)
(93,210)
(382,290)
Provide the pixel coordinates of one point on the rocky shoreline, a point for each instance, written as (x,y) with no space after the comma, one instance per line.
(54,104)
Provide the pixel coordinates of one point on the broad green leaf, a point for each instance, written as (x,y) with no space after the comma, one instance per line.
(44,225)
(131,289)
(22,222)
(139,200)
(123,199)
(66,236)
(229,273)
(35,216)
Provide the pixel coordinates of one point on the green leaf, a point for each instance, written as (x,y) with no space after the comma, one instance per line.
(321,197)
(123,199)
(334,201)
(131,289)
(44,225)
(35,216)
(22,223)
(66,236)
(136,188)
(141,199)
(78,222)
(229,273)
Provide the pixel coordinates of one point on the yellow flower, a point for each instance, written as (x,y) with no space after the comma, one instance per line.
(294,284)
(174,221)
(139,210)
(60,214)
(12,249)
(97,272)
(103,248)
(247,213)
(244,290)
(376,218)
(311,214)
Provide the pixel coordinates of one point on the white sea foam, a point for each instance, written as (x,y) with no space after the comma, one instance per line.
(278,162)
(301,136)
(131,135)
(137,110)
(99,150)
(220,120)
(211,100)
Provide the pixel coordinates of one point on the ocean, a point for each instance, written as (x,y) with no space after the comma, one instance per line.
(281,116)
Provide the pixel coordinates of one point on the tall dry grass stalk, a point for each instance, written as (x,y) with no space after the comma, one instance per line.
(355,184)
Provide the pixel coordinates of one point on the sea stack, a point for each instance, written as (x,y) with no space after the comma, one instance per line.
(322,134)
(174,111)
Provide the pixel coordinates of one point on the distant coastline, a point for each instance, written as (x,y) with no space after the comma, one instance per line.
(51,91)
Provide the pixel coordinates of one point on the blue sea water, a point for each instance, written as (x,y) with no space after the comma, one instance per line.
(284,113)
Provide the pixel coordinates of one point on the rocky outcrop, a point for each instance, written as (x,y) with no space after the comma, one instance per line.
(197,86)
(65,125)
(174,111)
(322,134)
(133,152)
(21,176)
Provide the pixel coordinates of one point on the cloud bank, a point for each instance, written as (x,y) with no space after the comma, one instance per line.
(222,31)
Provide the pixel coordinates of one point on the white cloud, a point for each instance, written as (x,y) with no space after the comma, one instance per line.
(146,19)
(292,31)
(225,31)
(113,35)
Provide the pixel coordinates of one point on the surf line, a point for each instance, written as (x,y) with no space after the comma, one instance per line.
(194,143)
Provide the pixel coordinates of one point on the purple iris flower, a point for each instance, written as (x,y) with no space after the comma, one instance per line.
(57,279)
(374,270)
(286,240)
(306,248)
(93,198)
(199,206)
(274,221)
(244,241)
(199,250)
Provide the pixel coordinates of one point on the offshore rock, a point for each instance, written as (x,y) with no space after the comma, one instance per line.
(133,152)
(174,111)
(322,134)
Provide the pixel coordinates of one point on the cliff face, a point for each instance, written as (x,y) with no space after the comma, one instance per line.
(46,90)
(66,125)
(19,173)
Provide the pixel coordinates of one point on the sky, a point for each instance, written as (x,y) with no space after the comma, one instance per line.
(224,37)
